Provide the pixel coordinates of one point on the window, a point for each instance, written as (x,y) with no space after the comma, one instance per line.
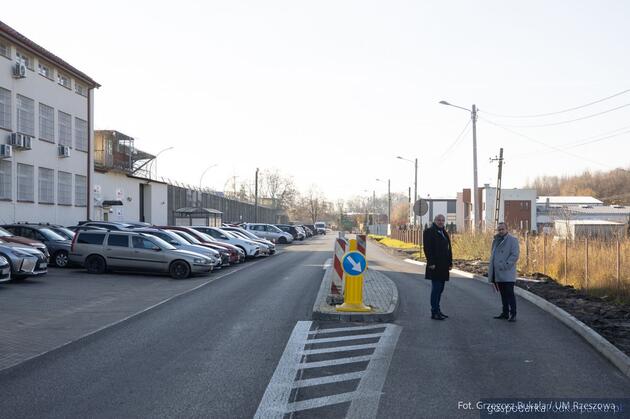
(80,134)
(46,123)
(45,70)
(46,182)
(64,188)
(80,89)
(65,129)
(5,108)
(5,49)
(25,183)
(80,193)
(25,115)
(25,59)
(91,238)
(5,179)
(63,80)
(142,243)
(118,240)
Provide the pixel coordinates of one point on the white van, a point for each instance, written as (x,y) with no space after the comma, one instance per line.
(320,226)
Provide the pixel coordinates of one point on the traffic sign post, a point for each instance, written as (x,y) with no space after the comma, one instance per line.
(354,265)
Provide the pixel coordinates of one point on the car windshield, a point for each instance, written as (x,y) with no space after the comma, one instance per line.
(164,245)
(5,233)
(51,235)
(65,232)
(230,234)
(248,234)
(239,235)
(274,229)
(168,237)
(187,236)
(206,237)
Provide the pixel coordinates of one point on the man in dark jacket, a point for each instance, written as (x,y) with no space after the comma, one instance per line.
(437,249)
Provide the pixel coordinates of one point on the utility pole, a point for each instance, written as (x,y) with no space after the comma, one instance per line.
(409,209)
(473,116)
(256,198)
(389,205)
(497,204)
(415,190)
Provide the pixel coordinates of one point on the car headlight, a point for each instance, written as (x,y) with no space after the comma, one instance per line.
(199,260)
(3,261)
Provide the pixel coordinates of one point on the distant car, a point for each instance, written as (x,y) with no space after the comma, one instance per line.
(177,241)
(320,227)
(61,230)
(109,225)
(269,232)
(308,231)
(58,246)
(248,234)
(24,261)
(297,233)
(98,251)
(312,228)
(236,254)
(251,248)
(225,253)
(9,237)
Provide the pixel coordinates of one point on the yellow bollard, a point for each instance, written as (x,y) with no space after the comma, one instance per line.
(353,290)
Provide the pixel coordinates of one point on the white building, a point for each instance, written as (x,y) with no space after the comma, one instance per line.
(595,229)
(46,134)
(563,201)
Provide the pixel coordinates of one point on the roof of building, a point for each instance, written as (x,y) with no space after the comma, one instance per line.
(26,43)
(590,222)
(568,200)
(600,209)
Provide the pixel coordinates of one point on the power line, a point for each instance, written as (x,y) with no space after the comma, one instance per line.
(459,137)
(567,121)
(527,137)
(561,111)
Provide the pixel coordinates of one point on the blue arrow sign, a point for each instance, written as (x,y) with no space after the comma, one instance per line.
(354,263)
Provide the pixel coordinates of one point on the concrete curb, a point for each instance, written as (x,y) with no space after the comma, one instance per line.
(388,316)
(597,341)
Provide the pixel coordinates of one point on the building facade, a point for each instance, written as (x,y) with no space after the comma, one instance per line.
(46,134)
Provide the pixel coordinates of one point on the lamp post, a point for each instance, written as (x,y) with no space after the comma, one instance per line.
(155,159)
(415,183)
(204,172)
(389,203)
(476,201)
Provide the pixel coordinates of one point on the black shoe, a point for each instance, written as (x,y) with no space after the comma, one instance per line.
(512,318)
(437,317)
(501,316)
(443,315)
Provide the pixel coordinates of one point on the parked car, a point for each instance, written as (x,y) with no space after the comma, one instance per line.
(9,237)
(5,270)
(249,235)
(179,242)
(293,230)
(251,248)
(269,232)
(24,261)
(78,227)
(312,228)
(308,231)
(225,253)
(108,225)
(321,227)
(236,254)
(98,251)
(64,232)
(58,246)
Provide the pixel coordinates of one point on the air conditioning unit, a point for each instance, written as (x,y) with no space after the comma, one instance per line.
(16,140)
(6,151)
(27,142)
(19,70)
(63,151)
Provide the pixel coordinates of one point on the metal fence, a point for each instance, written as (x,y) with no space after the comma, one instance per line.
(232,209)
(408,236)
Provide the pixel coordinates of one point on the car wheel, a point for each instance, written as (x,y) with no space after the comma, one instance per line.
(282,240)
(61,259)
(95,264)
(179,270)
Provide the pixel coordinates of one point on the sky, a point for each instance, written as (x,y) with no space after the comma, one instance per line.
(330,92)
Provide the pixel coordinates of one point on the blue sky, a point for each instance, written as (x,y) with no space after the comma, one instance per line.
(330,92)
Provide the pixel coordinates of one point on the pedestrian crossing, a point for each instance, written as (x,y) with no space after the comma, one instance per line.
(336,370)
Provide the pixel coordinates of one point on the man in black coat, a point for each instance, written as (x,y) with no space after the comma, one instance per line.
(436,244)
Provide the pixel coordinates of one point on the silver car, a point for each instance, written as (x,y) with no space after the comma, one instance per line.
(24,261)
(98,251)
(269,232)
(178,242)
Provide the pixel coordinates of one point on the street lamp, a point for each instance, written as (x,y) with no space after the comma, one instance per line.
(155,159)
(415,184)
(204,172)
(389,203)
(477,207)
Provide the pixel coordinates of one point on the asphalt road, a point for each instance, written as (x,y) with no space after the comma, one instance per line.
(229,349)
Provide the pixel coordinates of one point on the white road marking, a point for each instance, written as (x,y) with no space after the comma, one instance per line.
(328,263)
(415,262)
(363,401)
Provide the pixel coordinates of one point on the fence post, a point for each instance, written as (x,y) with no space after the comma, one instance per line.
(566,260)
(544,254)
(586,267)
(618,265)
(527,251)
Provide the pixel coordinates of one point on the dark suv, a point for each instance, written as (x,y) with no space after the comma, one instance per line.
(297,233)
(58,246)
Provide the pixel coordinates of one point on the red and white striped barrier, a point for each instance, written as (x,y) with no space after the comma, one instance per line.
(336,286)
(362,244)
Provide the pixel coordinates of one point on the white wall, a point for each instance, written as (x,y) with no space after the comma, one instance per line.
(489,198)
(43,153)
